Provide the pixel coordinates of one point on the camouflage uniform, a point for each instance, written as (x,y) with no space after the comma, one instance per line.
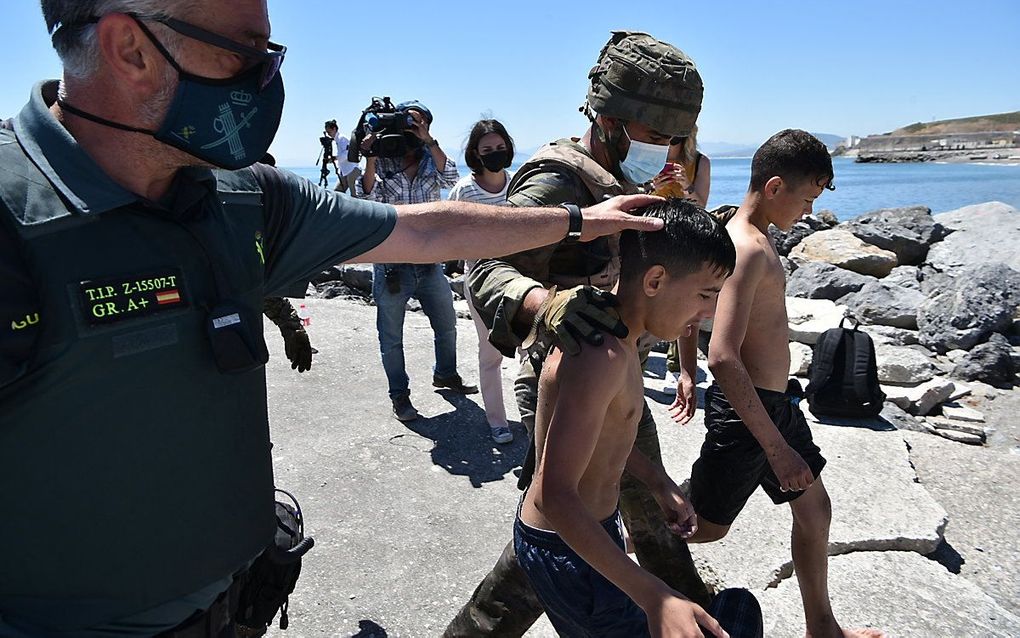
(282,313)
(564,171)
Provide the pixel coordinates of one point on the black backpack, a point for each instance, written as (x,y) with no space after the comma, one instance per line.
(843,376)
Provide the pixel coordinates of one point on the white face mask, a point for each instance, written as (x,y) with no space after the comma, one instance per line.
(644,161)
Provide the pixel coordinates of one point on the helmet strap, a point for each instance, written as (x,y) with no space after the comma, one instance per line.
(610,142)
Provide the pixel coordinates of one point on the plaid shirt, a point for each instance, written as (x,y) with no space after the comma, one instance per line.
(393,187)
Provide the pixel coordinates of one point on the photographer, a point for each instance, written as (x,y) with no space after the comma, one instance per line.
(411,178)
(347,172)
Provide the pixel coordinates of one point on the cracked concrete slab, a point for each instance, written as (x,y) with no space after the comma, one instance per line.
(408,518)
(902,593)
(877,504)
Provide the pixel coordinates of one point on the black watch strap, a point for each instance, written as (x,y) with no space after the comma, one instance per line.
(574,227)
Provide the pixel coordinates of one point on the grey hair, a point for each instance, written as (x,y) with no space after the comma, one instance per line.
(75,40)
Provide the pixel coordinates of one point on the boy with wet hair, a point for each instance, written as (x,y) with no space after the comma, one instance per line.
(757,434)
(567,535)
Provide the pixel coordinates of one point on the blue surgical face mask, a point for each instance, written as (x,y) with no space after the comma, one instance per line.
(644,161)
(228,123)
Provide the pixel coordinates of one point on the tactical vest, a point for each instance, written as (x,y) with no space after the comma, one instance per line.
(604,253)
(135,471)
(594,263)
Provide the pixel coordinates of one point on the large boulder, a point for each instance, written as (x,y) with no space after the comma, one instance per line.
(885,304)
(786,240)
(842,248)
(892,336)
(819,280)
(809,318)
(905,276)
(990,363)
(903,366)
(975,302)
(800,359)
(357,276)
(983,233)
(908,232)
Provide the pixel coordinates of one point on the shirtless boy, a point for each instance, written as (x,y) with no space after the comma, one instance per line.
(588,411)
(757,434)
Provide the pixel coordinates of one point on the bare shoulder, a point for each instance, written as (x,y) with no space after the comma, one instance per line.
(599,366)
(753,248)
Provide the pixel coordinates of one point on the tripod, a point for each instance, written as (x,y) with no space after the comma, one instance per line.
(326,157)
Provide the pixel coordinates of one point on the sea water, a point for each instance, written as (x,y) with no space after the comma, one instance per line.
(860,187)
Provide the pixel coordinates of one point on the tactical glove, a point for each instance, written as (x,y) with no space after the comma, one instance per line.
(579,313)
(298,349)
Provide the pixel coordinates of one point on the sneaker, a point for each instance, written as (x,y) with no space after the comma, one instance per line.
(501,434)
(454,383)
(403,410)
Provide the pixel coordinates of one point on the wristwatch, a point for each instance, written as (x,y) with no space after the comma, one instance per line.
(574,227)
(434,142)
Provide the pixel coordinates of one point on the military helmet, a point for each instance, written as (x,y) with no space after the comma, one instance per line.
(646,80)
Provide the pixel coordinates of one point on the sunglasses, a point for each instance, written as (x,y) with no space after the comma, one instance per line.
(269,61)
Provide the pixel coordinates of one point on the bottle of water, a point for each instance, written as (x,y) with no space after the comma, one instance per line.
(304,315)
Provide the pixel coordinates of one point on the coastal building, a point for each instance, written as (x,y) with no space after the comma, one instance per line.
(993,145)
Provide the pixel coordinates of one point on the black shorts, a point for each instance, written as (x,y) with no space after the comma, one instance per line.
(732,463)
(580,602)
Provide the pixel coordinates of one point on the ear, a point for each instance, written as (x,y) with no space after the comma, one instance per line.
(609,124)
(773,186)
(654,279)
(128,53)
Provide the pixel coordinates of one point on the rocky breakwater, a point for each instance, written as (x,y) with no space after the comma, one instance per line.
(939,294)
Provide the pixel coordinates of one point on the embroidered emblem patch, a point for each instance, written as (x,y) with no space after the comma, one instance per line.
(117,298)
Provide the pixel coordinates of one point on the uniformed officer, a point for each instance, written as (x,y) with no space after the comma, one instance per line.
(642,93)
(133,423)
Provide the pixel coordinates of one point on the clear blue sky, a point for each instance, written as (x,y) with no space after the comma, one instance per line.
(857,67)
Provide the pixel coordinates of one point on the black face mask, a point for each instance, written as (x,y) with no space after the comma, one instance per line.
(228,123)
(495,161)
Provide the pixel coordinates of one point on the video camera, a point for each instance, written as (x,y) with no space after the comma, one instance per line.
(392,125)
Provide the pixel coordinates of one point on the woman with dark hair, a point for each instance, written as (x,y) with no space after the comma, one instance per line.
(488,153)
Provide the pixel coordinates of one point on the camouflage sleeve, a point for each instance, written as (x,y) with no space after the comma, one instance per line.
(498,285)
(282,313)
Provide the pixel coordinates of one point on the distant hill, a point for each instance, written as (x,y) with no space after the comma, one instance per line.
(726,149)
(830,140)
(978,124)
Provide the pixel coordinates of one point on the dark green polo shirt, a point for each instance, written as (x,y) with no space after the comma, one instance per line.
(306,229)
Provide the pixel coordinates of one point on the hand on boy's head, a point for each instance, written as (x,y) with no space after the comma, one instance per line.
(614,215)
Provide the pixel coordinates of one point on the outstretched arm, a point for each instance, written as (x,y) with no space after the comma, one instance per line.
(437,231)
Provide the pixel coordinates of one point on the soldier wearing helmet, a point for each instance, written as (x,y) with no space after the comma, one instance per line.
(642,93)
